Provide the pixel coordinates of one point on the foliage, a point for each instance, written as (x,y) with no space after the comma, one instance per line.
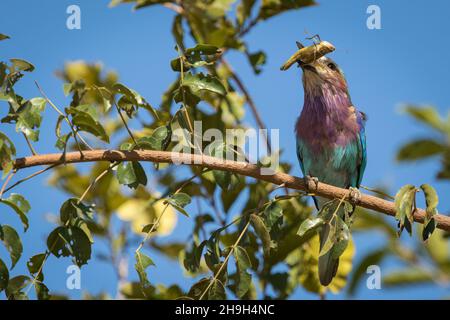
(437,144)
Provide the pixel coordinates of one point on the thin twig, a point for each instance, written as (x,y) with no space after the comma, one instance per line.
(31,176)
(147,235)
(253,22)
(101,175)
(29,144)
(378,192)
(178,9)
(222,266)
(2,190)
(66,118)
(125,122)
(34,280)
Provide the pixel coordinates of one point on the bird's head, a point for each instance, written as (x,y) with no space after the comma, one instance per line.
(322,74)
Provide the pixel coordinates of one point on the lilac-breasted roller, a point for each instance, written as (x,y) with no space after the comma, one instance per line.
(331,143)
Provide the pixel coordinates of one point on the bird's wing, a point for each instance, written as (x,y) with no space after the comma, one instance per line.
(361,118)
(300,146)
(300,154)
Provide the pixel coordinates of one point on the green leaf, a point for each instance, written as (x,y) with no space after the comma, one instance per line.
(20,205)
(142,263)
(310,225)
(159,140)
(223,178)
(342,238)
(4,276)
(15,287)
(22,65)
(67,88)
(70,241)
(273,213)
(126,174)
(146,3)
(193,256)
(179,201)
(262,232)
(438,250)
(216,291)
(7,154)
(257,60)
(84,121)
(177,30)
(244,279)
(124,90)
(419,149)
(131,174)
(244,10)
(431,200)
(184,94)
(221,151)
(404,200)
(59,121)
(12,242)
(148,227)
(89,109)
(75,214)
(42,292)
(3,37)
(428,116)
(429,225)
(198,56)
(400,196)
(72,209)
(271,8)
(35,264)
(329,241)
(194,84)
(28,117)
(198,82)
(198,288)
(131,100)
(407,276)
(61,142)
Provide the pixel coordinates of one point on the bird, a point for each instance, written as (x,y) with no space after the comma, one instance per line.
(331,142)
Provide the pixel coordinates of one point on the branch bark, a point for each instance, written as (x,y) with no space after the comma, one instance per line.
(242,168)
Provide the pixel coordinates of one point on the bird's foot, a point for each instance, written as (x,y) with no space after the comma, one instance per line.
(311,184)
(354,196)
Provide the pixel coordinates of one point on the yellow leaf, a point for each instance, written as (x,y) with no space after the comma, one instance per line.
(140,214)
(308,275)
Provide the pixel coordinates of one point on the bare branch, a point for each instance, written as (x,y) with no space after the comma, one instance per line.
(242,168)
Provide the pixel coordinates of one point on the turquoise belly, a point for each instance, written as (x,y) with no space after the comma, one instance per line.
(337,166)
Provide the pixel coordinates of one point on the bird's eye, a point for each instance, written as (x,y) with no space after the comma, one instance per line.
(332,66)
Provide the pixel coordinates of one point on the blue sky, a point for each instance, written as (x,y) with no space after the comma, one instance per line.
(384,68)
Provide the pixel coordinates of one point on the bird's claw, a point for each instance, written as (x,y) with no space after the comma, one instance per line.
(354,196)
(311,183)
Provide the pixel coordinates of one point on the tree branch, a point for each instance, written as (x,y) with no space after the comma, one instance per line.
(242,168)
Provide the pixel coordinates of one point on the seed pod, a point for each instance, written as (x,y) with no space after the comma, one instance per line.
(309,54)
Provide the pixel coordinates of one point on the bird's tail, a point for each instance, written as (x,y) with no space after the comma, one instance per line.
(328,262)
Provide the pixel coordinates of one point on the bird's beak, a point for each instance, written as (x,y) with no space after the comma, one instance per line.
(308,55)
(307,67)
